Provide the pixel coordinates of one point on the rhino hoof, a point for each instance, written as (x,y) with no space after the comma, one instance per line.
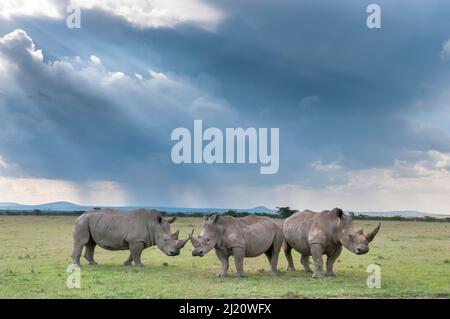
(330,274)
(139,265)
(291,269)
(241,274)
(93,263)
(222,274)
(317,275)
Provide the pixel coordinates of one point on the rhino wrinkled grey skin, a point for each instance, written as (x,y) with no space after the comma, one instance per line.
(316,234)
(241,237)
(117,230)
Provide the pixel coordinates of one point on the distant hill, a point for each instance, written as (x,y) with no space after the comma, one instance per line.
(67,206)
(71,207)
(56,206)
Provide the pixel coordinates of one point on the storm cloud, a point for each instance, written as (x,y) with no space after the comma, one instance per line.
(352,104)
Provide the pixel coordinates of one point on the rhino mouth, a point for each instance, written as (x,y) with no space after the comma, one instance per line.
(361,251)
(198,253)
(173,253)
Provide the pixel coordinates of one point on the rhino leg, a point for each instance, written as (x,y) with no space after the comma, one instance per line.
(128,261)
(89,253)
(81,237)
(331,258)
(269,254)
(304,259)
(136,251)
(317,252)
(287,252)
(274,252)
(239,254)
(224,260)
(76,253)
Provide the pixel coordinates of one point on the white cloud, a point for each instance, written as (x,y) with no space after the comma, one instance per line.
(3,163)
(445,51)
(115,76)
(19,44)
(441,160)
(8,168)
(203,105)
(330,167)
(95,59)
(423,184)
(31,190)
(158,75)
(177,95)
(40,190)
(139,13)
(310,99)
(46,8)
(159,13)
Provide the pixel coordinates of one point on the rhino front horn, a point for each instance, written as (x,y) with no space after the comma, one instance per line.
(371,235)
(194,241)
(180,243)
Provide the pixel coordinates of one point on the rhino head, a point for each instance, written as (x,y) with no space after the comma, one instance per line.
(208,236)
(168,243)
(354,240)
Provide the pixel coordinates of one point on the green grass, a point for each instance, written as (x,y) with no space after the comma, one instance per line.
(35,250)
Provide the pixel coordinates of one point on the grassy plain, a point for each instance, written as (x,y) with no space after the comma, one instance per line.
(35,252)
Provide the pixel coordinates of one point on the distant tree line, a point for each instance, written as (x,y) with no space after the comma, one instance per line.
(403,218)
(38,212)
(283,212)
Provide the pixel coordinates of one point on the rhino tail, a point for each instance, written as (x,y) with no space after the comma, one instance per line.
(279,239)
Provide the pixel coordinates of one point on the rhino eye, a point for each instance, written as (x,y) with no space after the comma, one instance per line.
(207,239)
(350,236)
(165,239)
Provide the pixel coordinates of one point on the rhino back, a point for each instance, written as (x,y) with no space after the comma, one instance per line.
(113,229)
(257,233)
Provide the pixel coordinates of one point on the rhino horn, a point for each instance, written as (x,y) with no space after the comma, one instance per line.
(175,234)
(180,243)
(370,236)
(194,241)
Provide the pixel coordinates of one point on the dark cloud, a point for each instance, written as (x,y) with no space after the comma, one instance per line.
(262,63)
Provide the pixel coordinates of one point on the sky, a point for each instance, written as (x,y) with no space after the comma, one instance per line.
(363,114)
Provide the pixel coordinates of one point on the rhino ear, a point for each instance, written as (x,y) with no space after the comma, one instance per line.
(170,221)
(214,218)
(339,213)
(360,231)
